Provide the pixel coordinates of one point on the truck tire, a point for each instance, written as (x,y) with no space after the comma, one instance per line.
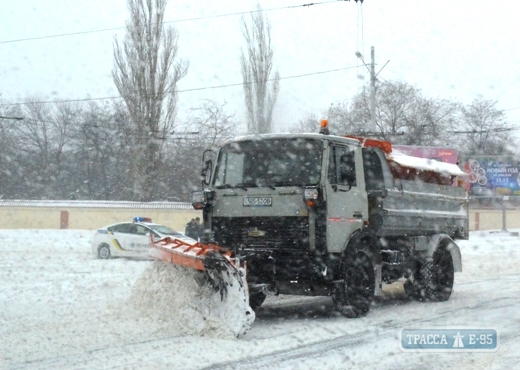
(256,300)
(434,279)
(355,294)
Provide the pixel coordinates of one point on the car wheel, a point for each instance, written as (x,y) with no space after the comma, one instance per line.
(256,300)
(104,252)
(354,296)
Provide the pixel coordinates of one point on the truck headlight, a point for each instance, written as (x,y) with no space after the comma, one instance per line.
(198,200)
(310,196)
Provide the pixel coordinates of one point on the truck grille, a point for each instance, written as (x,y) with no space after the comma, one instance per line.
(271,233)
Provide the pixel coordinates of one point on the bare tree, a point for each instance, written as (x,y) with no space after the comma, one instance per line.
(428,122)
(483,129)
(310,123)
(341,121)
(9,152)
(347,118)
(146,72)
(257,65)
(42,141)
(403,115)
(394,102)
(213,123)
(208,125)
(103,144)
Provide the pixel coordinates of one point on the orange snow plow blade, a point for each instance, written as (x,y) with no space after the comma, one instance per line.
(187,252)
(219,269)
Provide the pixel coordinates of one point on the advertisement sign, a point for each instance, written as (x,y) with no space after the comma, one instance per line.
(492,176)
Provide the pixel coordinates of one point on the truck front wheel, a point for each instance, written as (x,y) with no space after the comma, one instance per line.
(355,294)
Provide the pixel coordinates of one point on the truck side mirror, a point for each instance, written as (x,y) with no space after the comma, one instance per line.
(206,172)
(207,166)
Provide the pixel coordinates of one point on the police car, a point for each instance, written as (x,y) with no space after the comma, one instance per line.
(129,239)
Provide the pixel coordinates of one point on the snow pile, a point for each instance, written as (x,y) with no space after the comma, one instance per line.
(182,300)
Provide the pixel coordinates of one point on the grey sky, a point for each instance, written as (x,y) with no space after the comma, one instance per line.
(458,50)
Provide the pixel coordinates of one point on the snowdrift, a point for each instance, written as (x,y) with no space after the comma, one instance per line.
(182,299)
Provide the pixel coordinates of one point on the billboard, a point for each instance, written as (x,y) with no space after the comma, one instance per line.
(489,176)
(493,176)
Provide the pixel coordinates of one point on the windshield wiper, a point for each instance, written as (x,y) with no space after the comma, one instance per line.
(251,185)
(287,184)
(259,185)
(244,186)
(268,186)
(229,186)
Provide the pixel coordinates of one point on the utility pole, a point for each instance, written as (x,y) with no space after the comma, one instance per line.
(372,72)
(373,75)
(372,92)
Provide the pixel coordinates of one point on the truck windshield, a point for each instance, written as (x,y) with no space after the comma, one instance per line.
(269,162)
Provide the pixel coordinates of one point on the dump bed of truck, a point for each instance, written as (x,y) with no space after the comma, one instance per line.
(418,208)
(413,196)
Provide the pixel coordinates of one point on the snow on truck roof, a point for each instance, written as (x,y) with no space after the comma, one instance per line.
(418,164)
(293,136)
(425,164)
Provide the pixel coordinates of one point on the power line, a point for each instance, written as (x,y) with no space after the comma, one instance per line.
(503,129)
(179,91)
(174,21)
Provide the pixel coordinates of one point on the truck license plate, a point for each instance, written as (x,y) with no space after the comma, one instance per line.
(258,201)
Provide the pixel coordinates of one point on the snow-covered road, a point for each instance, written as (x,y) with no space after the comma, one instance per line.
(60,308)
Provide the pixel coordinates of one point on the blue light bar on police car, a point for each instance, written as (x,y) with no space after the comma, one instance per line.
(142,219)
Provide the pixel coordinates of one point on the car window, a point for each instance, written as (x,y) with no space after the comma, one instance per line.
(141,230)
(342,169)
(164,230)
(120,228)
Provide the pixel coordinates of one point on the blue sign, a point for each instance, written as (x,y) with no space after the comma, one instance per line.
(449,340)
(493,176)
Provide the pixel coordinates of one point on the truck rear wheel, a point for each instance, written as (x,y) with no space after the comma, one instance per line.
(355,294)
(433,280)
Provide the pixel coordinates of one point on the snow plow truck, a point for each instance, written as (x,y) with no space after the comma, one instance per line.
(321,214)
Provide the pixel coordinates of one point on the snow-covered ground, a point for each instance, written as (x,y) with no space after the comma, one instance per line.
(62,309)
